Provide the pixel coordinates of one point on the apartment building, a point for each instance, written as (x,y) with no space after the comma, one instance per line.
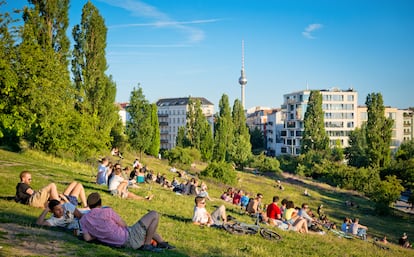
(339,107)
(402,129)
(172,114)
(269,121)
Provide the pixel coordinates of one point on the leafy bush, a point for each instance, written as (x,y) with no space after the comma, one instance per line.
(179,157)
(222,171)
(288,163)
(264,163)
(385,193)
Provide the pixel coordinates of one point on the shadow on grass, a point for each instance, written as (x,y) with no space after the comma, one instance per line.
(176,217)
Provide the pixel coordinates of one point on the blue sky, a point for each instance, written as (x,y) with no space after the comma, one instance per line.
(193,47)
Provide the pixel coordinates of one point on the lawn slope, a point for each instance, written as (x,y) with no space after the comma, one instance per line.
(21,237)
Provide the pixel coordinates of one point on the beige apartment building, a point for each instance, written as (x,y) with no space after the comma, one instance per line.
(172,114)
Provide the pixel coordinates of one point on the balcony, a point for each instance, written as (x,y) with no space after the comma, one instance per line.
(164,141)
(160,115)
(163,123)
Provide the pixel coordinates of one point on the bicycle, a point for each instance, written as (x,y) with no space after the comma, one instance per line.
(241,228)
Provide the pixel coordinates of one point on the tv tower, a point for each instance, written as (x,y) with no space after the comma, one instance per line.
(242,79)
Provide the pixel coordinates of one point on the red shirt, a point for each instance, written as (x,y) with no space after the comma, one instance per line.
(272,211)
(236,199)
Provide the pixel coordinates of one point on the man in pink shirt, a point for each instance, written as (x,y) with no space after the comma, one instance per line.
(106,226)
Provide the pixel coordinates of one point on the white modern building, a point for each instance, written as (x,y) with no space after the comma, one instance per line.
(274,127)
(339,107)
(172,114)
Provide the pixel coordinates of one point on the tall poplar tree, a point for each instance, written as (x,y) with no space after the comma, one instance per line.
(356,152)
(241,147)
(44,75)
(154,147)
(138,128)
(95,91)
(314,135)
(378,132)
(223,131)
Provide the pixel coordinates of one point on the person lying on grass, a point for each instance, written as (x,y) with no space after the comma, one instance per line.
(106,226)
(65,215)
(202,217)
(25,194)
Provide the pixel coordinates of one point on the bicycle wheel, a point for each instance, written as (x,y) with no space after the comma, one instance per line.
(233,229)
(240,229)
(269,234)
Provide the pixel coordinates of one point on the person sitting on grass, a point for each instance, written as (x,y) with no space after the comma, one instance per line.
(202,217)
(65,215)
(292,218)
(274,214)
(303,212)
(104,172)
(254,208)
(26,195)
(118,187)
(345,225)
(403,241)
(106,226)
(358,230)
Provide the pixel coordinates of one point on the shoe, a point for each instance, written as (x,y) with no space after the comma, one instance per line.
(150,248)
(165,245)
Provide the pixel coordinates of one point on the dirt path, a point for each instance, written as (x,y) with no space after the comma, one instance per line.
(18,240)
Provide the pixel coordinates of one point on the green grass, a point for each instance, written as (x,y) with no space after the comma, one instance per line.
(176,212)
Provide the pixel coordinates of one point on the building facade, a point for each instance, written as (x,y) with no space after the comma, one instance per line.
(402,129)
(172,114)
(339,107)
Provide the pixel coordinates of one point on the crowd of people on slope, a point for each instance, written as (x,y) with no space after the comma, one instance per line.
(93,221)
(97,222)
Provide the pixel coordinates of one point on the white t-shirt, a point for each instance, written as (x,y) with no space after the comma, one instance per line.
(114,182)
(200,215)
(68,220)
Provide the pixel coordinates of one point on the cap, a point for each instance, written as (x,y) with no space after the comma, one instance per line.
(93,199)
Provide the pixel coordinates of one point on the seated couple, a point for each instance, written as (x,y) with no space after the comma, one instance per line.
(118,186)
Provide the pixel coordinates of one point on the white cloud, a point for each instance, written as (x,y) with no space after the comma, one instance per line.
(311,28)
(159,19)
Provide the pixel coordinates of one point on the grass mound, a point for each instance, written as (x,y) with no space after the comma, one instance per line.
(21,237)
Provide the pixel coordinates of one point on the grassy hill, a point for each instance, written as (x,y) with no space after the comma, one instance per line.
(21,237)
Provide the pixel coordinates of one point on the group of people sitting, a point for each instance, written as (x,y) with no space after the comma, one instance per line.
(95,221)
(119,179)
(354,228)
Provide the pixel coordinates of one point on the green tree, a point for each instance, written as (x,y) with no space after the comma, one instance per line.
(405,151)
(314,135)
(387,192)
(356,152)
(223,131)
(95,91)
(207,142)
(257,140)
(181,140)
(240,150)
(154,147)
(13,119)
(44,77)
(221,171)
(138,128)
(337,152)
(378,132)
